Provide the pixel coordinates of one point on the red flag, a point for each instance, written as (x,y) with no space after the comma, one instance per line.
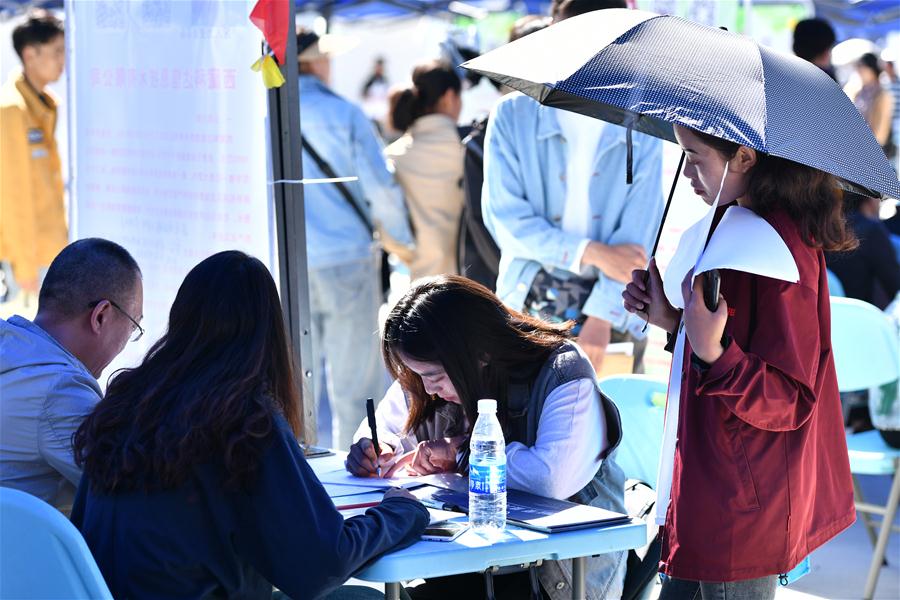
(271,16)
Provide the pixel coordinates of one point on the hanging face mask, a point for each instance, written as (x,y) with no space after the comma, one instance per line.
(690,249)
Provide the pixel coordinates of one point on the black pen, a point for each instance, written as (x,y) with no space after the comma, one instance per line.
(370,413)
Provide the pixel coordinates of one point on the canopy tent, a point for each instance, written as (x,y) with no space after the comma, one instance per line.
(363,9)
(869,19)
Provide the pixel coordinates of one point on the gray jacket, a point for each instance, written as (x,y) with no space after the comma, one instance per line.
(45,394)
(605,575)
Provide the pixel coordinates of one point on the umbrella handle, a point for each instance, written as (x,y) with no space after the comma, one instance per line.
(668,204)
(662,222)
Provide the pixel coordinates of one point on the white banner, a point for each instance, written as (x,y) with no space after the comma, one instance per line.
(168,138)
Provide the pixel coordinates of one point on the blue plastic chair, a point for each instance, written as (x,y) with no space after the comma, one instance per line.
(642,423)
(835,287)
(42,555)
(866,348)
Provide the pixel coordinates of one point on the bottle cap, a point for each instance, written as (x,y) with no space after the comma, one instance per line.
(487,406)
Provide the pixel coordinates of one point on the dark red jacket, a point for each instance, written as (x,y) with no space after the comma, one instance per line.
(761,473)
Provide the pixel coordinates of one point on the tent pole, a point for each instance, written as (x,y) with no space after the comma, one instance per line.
(290,225)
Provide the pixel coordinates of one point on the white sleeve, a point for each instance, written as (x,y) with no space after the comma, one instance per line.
(390,417)
(570,438)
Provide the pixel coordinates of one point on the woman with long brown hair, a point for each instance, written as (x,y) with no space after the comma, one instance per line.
(194,484)
(450,342)
(759,472)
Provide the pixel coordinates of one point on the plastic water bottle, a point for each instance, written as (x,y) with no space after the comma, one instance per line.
(487,471)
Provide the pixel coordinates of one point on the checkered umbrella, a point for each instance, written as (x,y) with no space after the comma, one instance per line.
(647,72)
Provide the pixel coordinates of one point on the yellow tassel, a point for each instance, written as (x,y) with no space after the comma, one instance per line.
(271,74)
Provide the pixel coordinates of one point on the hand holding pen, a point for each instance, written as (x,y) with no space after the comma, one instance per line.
(364,461)
(368,458)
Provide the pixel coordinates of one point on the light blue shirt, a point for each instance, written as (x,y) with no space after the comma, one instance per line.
(45,394)
(523,201)
(345,138)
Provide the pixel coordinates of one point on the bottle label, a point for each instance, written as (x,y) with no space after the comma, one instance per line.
(487,479)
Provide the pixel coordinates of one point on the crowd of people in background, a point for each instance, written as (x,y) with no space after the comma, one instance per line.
(520,234)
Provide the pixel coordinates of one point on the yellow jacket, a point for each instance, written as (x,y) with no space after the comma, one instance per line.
(32,214)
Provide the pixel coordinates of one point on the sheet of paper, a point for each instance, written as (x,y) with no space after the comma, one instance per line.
(743,241)
(746,242)
(336,490)
(435,515)
(342,477)
(690,246)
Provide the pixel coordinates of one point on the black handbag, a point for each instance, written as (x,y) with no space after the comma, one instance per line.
(556,299)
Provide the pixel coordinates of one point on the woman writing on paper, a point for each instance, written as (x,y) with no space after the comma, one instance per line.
(450,342)
(759,473)
(194,484)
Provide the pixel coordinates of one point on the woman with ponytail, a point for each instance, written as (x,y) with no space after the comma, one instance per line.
(428,161)
(759,472)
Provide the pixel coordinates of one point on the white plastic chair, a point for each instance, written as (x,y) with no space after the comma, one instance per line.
(42,555)
(867,354)
(642,423)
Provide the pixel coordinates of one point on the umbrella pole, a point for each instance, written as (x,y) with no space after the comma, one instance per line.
(668,205)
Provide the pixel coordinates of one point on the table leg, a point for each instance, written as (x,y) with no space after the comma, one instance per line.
(883,534)
(392,591)
(578,565)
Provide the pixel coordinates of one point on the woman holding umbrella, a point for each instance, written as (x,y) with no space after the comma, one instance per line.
(761,476)
(754,449)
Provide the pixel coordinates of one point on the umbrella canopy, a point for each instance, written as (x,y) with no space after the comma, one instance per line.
(648,72)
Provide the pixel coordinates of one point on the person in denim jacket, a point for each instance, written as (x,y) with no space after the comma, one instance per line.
(556,200)
(343,258)
(525,200)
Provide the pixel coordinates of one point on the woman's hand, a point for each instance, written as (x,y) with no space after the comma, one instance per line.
(398,493)
(432,456)
(363,462)
(644,297)
(704,329)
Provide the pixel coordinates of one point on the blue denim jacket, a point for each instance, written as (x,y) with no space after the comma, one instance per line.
(524,195)
(342,135)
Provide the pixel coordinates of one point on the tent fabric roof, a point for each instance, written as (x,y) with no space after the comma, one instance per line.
(869,19)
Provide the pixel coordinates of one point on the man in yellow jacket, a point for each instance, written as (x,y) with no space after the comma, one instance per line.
(32,215)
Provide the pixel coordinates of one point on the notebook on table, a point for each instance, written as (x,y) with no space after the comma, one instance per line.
(530,511)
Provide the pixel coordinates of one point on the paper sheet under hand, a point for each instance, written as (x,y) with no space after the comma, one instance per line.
(342,477)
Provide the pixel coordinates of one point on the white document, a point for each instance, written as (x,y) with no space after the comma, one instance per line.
(743,241)
(688,252)
(746,242)
(342,477)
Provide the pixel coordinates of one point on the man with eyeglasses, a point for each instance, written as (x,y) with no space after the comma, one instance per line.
(90,305)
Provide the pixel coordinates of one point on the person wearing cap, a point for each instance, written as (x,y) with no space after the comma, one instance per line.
(569,224)
(32,212)
(343,256)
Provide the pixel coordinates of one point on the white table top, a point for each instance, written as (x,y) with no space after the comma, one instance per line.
(471,552)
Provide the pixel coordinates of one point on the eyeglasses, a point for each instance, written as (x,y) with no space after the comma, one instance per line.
(136,330)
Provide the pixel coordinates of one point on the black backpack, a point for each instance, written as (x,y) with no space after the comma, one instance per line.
(478,254)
